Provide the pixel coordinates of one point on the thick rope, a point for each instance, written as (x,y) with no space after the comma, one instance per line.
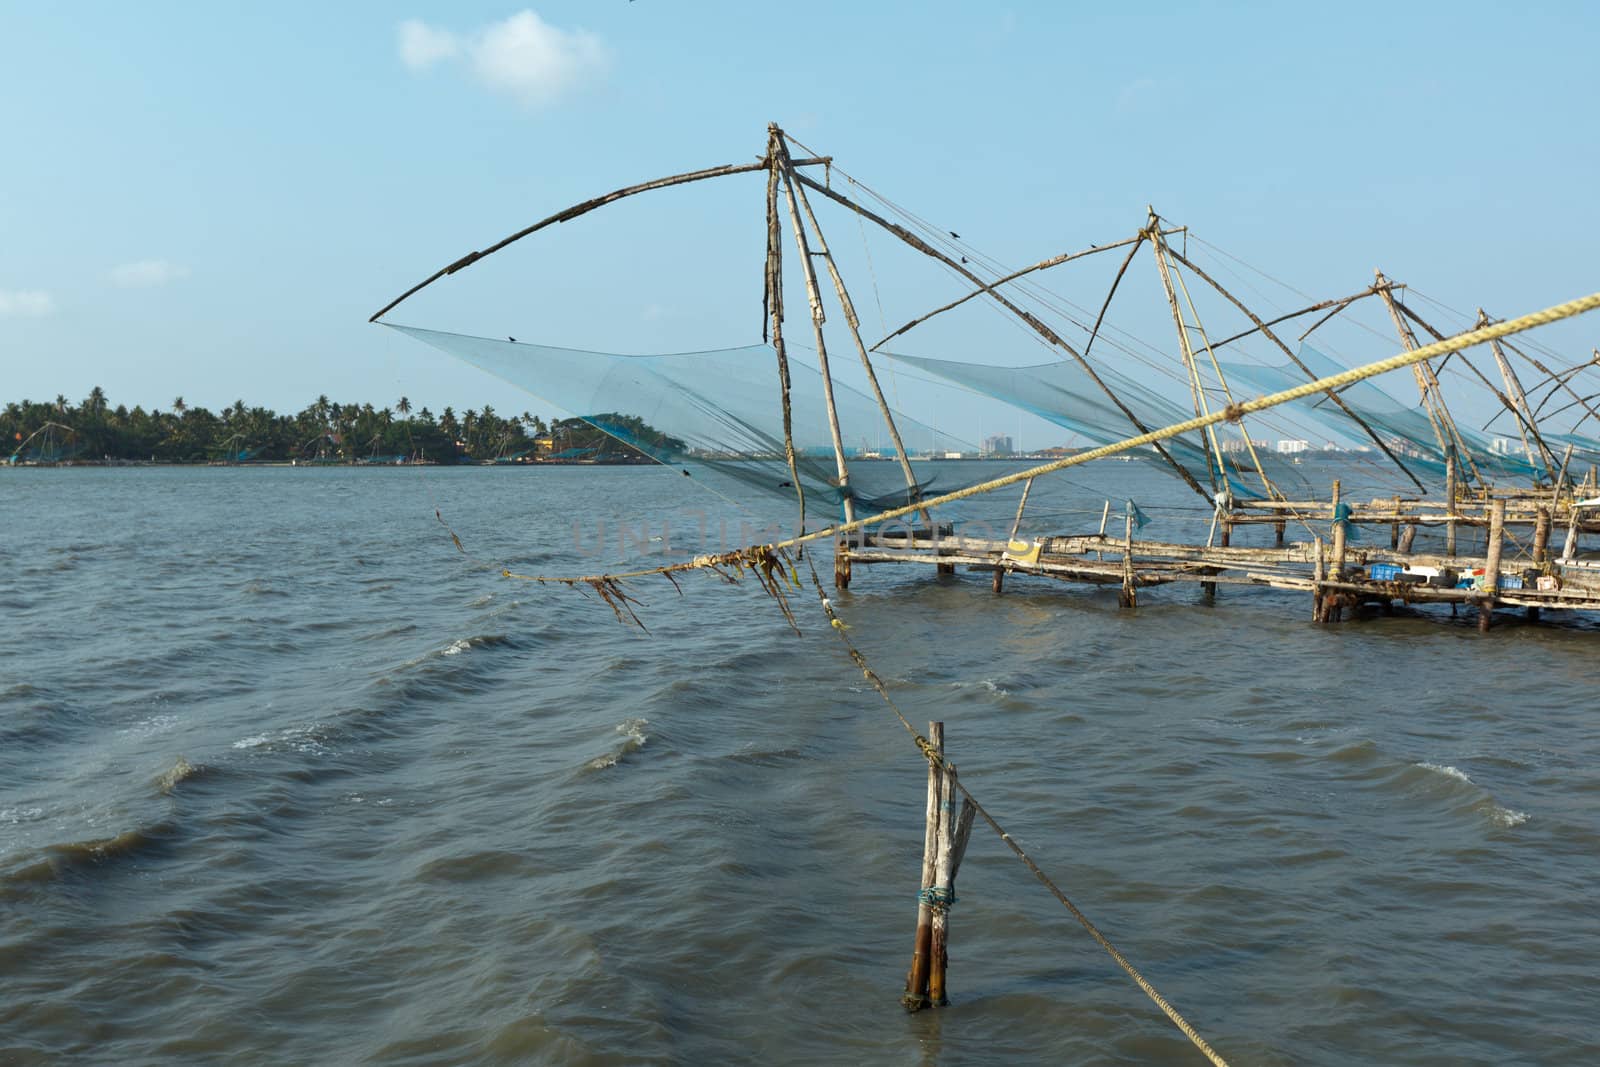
(1229,414)
(936,759)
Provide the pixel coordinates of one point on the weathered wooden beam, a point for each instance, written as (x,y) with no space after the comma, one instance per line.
(1491,567)
(916,994)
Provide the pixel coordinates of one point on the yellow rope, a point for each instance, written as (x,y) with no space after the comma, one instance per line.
(1231,413)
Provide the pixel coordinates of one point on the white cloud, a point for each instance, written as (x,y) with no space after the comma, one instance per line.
(421,46)
(523,57)
(26,303)
(147,273)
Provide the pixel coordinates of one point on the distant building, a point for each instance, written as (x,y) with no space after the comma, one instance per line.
(998,445)
(1239,444)
(1502,446)
(1293,446)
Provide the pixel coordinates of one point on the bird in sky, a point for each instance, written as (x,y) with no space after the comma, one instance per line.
(956,235)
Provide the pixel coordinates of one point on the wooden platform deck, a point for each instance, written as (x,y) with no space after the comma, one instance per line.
(1336,571)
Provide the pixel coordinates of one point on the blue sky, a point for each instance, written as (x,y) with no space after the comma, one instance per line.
(211,199)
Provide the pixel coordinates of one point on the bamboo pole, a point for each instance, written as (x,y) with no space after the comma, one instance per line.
(854,322)
(943,880)
(1451,474)
(1241,335)
(1196,388)
(1222,379)
(1569,548)
(1560,380)
(1016,524)
(814,295)
(1266,332)
(985,287)
(1427,385)
(1561,476)
(1333,606)
(1029,320)
(1317,575)
(1491,567)
(1394,527)
(584,208)
(916,995)
(1129,597)
(1541,549)
(772,300)
(1505,400)
(1519,398)
(1116,281)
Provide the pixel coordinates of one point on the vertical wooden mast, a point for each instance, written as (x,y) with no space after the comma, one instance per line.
(852,320)
(808,270)
(773,299)
(1267,332)
(1196,387)
(1444,430)
(1519,401)
(1163,249)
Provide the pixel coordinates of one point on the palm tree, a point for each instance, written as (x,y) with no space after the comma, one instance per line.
(178,406)
(404,406)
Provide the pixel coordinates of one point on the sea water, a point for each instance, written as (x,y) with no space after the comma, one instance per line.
(287,777)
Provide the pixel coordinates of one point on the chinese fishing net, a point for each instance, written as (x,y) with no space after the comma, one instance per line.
(717,415)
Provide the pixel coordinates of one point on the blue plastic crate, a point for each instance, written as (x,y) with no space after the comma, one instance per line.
(1385,572)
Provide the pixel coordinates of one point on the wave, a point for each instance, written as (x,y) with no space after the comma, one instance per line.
(55,862)
(174,776)
(1449,772)
(1485,804)
(634,738)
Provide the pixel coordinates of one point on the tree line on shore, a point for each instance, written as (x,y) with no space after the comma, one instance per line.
(323,431)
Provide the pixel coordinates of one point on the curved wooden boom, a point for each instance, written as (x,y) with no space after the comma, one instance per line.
(583,209)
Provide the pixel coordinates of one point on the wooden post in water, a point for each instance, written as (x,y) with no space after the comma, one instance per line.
(1541,548)
(1569,548)
(1450,501)
(1016,524)
(1277,530)
(1333,604)
(1128,597)
(1394,527)
(916,995)
(1491,567)
(944,893)
(945,839)
(1316,584)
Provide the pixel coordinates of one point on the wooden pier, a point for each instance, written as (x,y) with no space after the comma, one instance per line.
(1516,568)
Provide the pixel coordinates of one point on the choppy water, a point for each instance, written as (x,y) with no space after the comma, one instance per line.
(285,778)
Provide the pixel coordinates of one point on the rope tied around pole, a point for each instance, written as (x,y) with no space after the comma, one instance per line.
(938,897)
(937,759)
